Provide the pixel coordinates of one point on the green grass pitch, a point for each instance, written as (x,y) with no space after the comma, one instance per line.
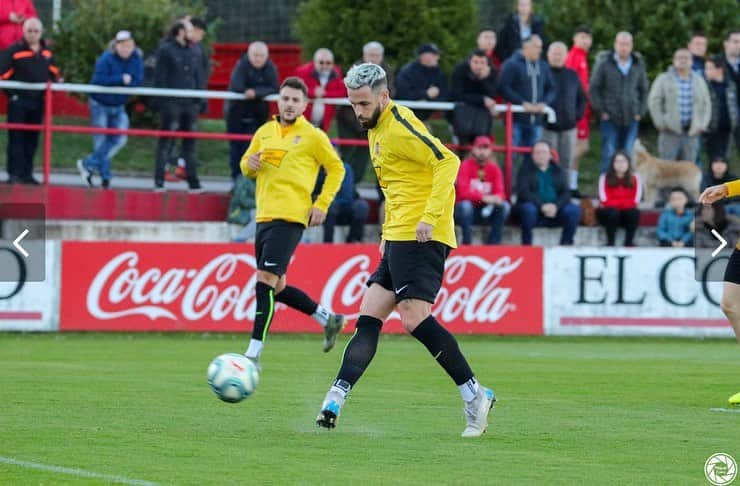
(137,409)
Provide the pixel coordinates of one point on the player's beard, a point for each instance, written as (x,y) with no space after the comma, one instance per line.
(372,121)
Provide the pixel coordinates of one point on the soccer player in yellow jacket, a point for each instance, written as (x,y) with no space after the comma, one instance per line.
(731,290)
(417,175)
(284,157)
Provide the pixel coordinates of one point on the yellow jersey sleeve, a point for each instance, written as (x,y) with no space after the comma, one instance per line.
(254,147)
(327,157)
(733,188)
(418,144)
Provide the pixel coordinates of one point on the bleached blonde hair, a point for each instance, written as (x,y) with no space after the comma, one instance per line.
(366,74)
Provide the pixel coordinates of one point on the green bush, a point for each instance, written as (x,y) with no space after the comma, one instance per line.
(658,27)
(400,25)
(87,27)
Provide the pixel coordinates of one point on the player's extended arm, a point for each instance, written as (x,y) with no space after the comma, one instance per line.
(328,158)
(733,188)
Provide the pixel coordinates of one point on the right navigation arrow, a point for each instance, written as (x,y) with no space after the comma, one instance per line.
(722,243)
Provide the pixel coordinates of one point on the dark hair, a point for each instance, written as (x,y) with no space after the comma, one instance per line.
(681,190)
(730,33)
(697,33)
(295,83)
(486,29)
(717,60)
(542,140)
(175,30)
(611,174)
(478,53)
(199,23)
(583,29)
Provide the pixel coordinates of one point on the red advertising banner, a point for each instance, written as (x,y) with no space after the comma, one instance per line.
(210,287)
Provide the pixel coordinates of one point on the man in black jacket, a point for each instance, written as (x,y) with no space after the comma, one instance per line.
(31,61)
(179,66)
(422,79)
(543,198)
(473,86)
(619,94)
(256,76)
(569,105)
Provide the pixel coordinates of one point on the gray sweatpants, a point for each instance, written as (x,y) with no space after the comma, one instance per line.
(677,146)
(564,144)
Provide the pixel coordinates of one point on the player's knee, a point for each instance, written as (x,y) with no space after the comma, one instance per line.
(268,278)
(412,312)
(281,283)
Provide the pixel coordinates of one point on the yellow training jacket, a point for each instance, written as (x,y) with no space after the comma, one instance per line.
(733,188)
(291,158)
(417,174)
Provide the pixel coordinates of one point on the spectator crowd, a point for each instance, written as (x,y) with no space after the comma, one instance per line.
(694,106)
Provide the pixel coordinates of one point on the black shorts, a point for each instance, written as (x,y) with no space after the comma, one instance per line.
(412,270)
(274,245)
(732,273)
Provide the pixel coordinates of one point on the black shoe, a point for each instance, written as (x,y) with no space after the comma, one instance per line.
(106,183)
(30,181)
(575,194)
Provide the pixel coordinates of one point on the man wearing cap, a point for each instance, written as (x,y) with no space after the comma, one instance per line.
(480,193)
(422,79)
(119,65)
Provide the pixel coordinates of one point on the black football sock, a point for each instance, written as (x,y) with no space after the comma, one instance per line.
(358,354)
(262,318)
(297,299)
(443,346)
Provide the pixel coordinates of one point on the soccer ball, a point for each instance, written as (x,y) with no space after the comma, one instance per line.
(232,377)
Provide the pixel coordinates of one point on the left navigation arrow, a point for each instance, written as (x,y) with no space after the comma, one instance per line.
(17,243)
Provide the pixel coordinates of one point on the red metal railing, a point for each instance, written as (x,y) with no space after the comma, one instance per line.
(48,128)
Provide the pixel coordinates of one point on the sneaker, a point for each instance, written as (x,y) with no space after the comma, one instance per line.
(84,172)
(196,190)
(334,326)
(159,188)
(476,412)
(329,413)
(575,194)
(106,183)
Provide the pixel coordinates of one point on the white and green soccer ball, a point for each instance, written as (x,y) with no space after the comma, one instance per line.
(232,377)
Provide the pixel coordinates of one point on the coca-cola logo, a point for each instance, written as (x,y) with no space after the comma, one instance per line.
(210,291)
(486,302)
(472,290)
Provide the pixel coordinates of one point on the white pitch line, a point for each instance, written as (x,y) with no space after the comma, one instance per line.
(728,410)
(73,472)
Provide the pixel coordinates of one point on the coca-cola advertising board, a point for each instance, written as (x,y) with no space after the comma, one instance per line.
(110,286)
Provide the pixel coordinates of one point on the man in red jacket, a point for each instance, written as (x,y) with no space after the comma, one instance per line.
(324,80)
(12,15)
(480,193)
(577,60)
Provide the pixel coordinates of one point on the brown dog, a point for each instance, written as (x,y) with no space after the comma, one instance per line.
(657,174)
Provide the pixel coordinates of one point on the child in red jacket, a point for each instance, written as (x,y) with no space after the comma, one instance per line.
(620,191)
(480,193)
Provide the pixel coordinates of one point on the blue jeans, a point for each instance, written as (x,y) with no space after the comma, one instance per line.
(353,214)
(105,146)
(530,216)
(616,137)
(525,134)
(467,214)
